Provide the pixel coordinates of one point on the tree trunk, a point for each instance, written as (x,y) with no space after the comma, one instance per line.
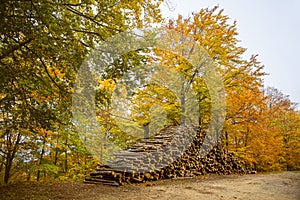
(56,156)
(146,130)
(28,176)
(56,151)
(41,158)
(2,164)
(226,139)
(182,102)
(66,156)
(10,154)
(8,165)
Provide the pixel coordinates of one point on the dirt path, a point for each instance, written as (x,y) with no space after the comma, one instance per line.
(275,186)
(283,186)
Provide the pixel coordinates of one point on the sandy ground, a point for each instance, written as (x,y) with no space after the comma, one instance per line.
(285,186)
(263,187)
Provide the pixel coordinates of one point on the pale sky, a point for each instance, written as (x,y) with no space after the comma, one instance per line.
(268,28)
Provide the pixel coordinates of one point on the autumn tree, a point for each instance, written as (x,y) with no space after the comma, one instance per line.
(283,121)
(247,129)
(42,47)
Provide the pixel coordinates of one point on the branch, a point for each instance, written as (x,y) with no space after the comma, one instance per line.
(45,67)
(90,18)
(88,32)
(47,72)
(72,4)
(14,48)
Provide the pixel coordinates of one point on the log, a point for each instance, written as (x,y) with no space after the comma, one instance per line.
(164,156)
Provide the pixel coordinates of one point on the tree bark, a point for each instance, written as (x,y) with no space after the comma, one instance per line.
(226,139)
(182,102)
(10,155)
(66,156)
(41,158)
(146,130)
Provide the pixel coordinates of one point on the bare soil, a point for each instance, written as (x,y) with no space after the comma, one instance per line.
(284,185)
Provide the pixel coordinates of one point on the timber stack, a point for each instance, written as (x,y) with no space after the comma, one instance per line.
(172,153)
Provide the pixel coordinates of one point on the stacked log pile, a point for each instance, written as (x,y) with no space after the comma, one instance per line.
(172,153)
